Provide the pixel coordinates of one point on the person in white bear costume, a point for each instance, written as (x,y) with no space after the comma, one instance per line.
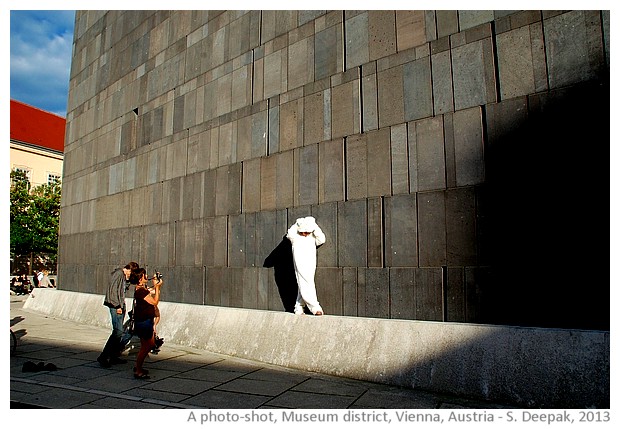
(305,236)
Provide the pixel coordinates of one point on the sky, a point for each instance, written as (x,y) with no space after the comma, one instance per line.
(40,58)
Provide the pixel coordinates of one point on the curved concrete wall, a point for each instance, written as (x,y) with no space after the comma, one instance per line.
(529,367)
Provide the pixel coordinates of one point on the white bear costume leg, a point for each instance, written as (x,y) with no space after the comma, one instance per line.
(304,258)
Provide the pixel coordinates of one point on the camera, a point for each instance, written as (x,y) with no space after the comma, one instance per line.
(157,276)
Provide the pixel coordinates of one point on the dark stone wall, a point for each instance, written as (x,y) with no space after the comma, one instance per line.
(458,161)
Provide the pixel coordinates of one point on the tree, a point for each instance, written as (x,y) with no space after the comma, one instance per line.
(35,214)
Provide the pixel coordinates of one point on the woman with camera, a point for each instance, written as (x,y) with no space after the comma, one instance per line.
(144,313)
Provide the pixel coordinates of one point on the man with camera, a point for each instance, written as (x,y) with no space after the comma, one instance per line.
(115,301)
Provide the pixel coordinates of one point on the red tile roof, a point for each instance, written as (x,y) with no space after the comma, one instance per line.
(37,127)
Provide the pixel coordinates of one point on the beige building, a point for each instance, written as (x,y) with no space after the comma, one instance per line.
(37,143)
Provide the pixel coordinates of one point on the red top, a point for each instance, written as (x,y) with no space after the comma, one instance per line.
(37,127)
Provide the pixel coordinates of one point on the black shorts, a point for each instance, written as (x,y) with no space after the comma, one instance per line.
(143,329)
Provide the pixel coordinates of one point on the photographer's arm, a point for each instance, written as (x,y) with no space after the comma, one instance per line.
(154,297)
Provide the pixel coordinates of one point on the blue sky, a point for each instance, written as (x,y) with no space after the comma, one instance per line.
(40,58)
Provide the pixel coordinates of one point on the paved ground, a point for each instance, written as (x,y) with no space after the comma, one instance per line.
(181,377)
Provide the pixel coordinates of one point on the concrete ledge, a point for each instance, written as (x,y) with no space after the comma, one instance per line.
(529,367)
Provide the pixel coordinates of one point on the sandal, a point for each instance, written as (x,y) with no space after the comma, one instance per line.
(318,313)
(143,376)
(144,371)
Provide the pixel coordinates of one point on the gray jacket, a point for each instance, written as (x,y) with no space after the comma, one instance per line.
(115,295)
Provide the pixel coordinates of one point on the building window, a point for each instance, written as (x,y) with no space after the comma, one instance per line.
(26,171)
(53,178)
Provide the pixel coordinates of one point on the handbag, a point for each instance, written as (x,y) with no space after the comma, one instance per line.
(130,324)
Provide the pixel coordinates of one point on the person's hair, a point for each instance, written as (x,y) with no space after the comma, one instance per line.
(132,266)
(136,275)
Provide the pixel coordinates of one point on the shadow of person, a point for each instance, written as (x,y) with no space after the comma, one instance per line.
(16,320)
(281,259)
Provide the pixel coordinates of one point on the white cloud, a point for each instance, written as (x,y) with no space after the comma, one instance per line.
(40,58)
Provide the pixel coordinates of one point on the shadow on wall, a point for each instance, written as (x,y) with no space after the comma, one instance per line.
(281,260)
(545,209)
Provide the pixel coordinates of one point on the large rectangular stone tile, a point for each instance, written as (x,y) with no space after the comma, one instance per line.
(410,29)
(193,196)
(243,130)
(345,109)
(300,62)
(326,216)
(172,194)
(391,96)
(285,179)
(370,108)
(179,385)
(574,47)
(234,188)
(291,124)
(429,294)
(241,84)
(306,181)
(401,231)
(455,295)
(332,386)
(250,277)
(356,41)
(263,288)
(461,237)
(521,61)
(473,74)
(447,22)
(381,33)
(305,400)
(329,290)
(236,240)
(188,242)
(268,182)
(379,163)
(331,171)
(426,154)
(259,133)
(211,377)
(274,72)
(402,288)
(473,18)
(432,229)
(215,243)
(350,292)
(396,398)
(468,147)
(251,185)
(417,89)
(400,159)
(352,233)
(328,52)
(278,374)
(377,297)
(58,398)
(234,287)
(375,232)
(314,117)
(216,399)
(185,284)
(357,167)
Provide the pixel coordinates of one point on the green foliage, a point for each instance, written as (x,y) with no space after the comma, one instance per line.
(35,215)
